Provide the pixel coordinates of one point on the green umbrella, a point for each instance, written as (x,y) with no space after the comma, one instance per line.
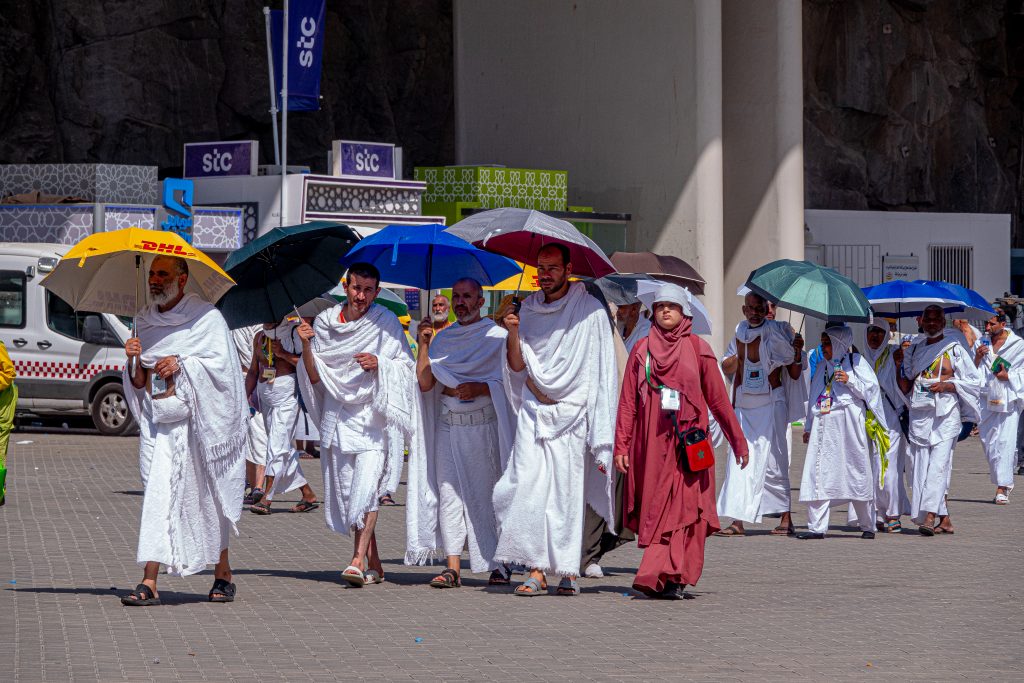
(386,298)
(811,289)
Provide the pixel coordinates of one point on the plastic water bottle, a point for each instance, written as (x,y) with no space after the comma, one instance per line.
(986,340)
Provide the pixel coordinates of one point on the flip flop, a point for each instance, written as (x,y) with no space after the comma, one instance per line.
(780,531)
(144,597)
(373,576)
(926,530)
(222,591)
(500,577)
(567,587)
(354,576)
(530,588)
(448,578)
(729,531)
(892,526)
(305,506)
(386,501)
(260,508)
(940,530)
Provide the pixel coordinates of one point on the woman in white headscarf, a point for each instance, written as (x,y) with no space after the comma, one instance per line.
(838,465)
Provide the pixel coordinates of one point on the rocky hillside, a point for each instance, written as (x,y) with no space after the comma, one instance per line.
(129,81)
(914,105)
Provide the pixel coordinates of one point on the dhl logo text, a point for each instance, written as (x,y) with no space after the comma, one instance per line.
(171,249)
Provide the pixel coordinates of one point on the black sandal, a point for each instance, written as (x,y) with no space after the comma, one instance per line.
(261,508)
(500,577)
(448,578)
(143,597)
(222,591)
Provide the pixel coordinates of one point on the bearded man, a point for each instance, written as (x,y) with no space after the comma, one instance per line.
(943,387)
(358,383)
(562,383)
(468,429)
(631,325)
(439,307)
(184,389)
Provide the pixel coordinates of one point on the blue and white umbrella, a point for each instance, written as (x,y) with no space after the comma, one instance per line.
(975,306)
(902,299)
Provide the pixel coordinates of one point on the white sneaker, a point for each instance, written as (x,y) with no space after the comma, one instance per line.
(593,571)
(1001,499)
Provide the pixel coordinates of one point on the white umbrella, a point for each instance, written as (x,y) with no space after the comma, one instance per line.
(647,290)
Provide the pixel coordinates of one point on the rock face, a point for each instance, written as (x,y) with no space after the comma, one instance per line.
(914,105)
(130,81)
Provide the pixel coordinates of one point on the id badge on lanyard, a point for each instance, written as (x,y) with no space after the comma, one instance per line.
(270,372)
(754,380)
(669,396)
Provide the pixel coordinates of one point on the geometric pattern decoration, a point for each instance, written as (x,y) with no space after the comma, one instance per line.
(493,188)
(53,370)
(118,217)
(250,218)
(52,224)
(334,197)
(217,229)
(101,183)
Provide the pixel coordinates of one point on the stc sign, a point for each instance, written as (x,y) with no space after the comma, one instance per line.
(213,159)
(363,159)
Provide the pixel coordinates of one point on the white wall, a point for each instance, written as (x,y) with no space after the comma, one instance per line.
(903,233)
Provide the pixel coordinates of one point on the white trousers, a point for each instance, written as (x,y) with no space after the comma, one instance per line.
(929,469)
(818,514)
(999,439)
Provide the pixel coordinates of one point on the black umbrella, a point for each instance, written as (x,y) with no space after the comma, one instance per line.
(283,269)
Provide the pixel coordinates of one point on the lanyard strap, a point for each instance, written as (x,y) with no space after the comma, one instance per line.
(880,361)
(647,370)
(268,350)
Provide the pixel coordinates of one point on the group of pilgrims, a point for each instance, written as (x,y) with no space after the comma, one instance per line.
(541,437)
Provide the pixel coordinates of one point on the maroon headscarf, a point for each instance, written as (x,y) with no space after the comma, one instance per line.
(674,363)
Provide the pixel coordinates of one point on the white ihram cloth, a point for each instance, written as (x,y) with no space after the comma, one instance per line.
(640,330)
(935,420)
(748,494)
(891,498)
(365,419)
(192,444)
(1001,403)
(838,466)
(560,450)
(452,484)
(256,452)
(279,407)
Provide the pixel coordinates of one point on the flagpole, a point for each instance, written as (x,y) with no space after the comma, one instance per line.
(285,48)
(273,90)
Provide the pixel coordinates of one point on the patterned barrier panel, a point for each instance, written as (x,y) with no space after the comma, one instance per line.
(217,229)
(52,370)
(101,183)
(118,217)
(52,224)
(336,196)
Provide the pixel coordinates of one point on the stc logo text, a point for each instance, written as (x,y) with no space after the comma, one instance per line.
(307,41)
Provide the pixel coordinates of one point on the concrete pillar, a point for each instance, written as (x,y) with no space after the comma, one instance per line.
(762,123)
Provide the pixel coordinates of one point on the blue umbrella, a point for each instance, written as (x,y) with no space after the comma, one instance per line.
(426,257)
(975,305)
(902,299)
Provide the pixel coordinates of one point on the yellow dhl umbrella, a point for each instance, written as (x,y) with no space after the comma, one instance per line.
(529,281)
(107,272)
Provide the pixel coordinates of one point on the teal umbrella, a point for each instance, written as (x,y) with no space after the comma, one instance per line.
(811,289)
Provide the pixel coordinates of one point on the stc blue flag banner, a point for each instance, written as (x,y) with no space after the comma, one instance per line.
(305,53)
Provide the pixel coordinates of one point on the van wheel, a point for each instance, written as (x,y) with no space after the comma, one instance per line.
(110,411)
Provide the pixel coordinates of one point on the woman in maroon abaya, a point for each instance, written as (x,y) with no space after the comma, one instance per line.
(671,508)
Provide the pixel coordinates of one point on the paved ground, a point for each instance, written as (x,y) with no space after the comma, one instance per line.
(897,608)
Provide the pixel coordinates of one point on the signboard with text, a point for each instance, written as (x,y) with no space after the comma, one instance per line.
(900,268)
(363,159)
(178,201)
(215,159)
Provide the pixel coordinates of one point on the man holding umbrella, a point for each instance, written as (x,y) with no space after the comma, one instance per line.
(563,381)
(184,388)
(357,378)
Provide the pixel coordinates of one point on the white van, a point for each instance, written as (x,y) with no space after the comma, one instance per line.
(68,362)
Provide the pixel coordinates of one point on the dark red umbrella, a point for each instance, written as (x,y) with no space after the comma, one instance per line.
(660,267)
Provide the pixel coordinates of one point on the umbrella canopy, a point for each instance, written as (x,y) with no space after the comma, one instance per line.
(811,289)
(385,298)
(975,305)
(664,268)
(903,299)
(647,290)
(521,233)
(105,272)
(283,269)
(427,257)
(621,289)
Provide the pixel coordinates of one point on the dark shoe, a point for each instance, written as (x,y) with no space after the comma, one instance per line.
(868,534)
(222,591)
(674,591)
(808,535)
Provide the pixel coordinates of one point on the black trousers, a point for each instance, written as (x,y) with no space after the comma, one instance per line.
(597,539)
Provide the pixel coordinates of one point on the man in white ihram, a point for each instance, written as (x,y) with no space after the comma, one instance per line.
(192,434)
(766,363)
(468,429)
(358,382)
(1001,363)
(562,384)
(943,386)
